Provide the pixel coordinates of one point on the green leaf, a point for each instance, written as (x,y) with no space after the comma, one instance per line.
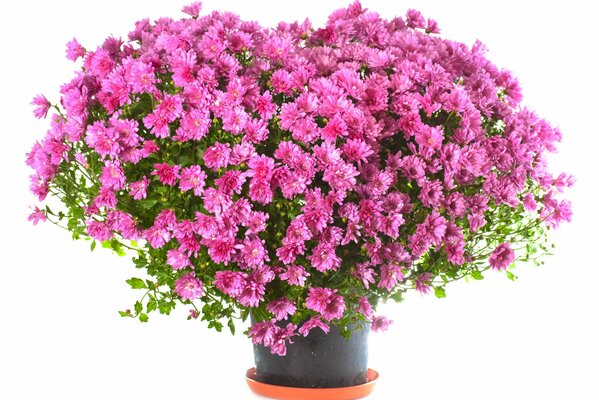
(136,283)
(231,325)
(477,275)
(138,307)
(147,203)
(151,306)
(124,314)
(216,325)
(439,292)
(245,314)
(93,245)
(398,297)
(510,276)
(143,317)
(165,307)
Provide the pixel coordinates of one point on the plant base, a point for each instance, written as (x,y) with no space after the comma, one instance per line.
(298,393)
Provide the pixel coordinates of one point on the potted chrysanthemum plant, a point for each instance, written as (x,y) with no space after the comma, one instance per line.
(297,177)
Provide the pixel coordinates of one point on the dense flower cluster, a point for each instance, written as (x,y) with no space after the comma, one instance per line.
(302,174)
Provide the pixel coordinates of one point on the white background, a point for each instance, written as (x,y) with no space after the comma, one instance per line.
(61,336)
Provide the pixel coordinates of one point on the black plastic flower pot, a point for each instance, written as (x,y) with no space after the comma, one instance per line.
(318,360)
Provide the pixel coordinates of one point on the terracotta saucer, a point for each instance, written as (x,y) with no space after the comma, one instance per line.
(295,393)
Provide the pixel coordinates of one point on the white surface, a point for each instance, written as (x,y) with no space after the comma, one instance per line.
(61,336)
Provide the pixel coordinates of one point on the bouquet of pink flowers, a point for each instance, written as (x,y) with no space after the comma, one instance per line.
(303,175)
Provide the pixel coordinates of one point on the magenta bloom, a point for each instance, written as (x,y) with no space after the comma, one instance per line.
(254,290)
(105,198)
(75,50)
(555,213)
(177,259)
(221,250)
(104,140)
(391,274)
(216,201)
(314,322)
(502,256)
(217,156)
(324,258)
(263,333)
(230,282)
(341,176)
(281,308)
(194,125)
(364,307)
(123,223)
(98,230)
(42,106)
(193,9)
(295,275)
(37,215)
(167,174)
(113,176)
(138,189)
(529,202)
(422,283)
(193,178)
(166,219)
(253,253)
(282,336)
(380,324)
(326,302)
(476,221)
(364,273)
(156,236)
(141,77)
(188,287)
(100,63)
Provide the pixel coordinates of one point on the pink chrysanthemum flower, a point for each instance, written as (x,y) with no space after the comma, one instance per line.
(391,275)
(263,333)
(138,189)
(380,324)
(98,230)
(230,282)
(167,174)
(281,308)
(193,178)
(156,236)
(75,50)
(364,307)
(422,283)
(105,198)
(502,256)
(295,275)
(364,273)
(42,106)
(142,77)
(217,156)
(314,322)
(282,336)
(188,287)
(323,258)
(193,9)
(177,259)
(113,176)
(37,215)
(326,302)
(253,253)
